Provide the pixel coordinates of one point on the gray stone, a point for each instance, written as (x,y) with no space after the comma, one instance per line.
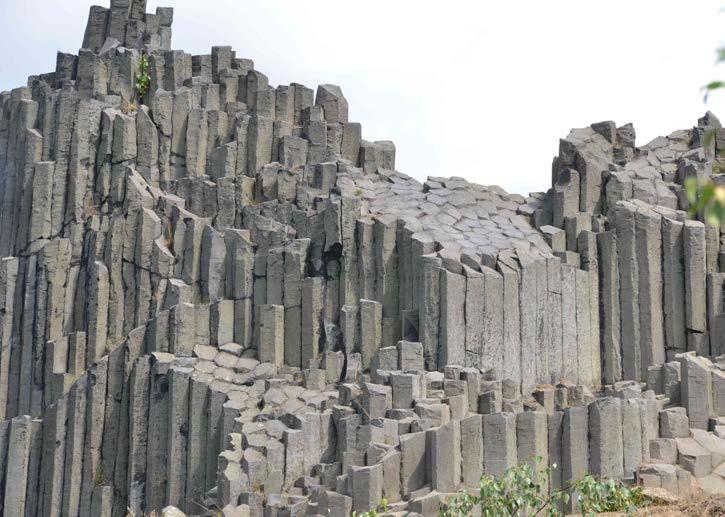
(605,431)
(696,389)
(532,442)
(575,444)
(695,270)
(674,423)
(271,334)
(413,462)
(371,316)
(471,450)
(673,274)
(499,443)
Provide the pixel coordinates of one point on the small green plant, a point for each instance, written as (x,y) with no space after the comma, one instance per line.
(521,492)
(598,496)
(143,79)
(381,510)
(358,192)
(99,478)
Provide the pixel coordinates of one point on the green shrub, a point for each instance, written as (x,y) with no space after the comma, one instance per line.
(520,492)
(706,198)
(607,495)
(143,79)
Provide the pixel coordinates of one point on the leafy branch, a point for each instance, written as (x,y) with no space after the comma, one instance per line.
(521,491)
(706,198)
(715,85)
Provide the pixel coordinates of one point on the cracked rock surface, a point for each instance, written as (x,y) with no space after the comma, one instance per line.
(218,296)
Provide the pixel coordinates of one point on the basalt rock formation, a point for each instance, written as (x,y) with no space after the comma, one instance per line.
(218,296)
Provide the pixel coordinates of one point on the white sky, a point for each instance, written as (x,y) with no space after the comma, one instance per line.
(478,89)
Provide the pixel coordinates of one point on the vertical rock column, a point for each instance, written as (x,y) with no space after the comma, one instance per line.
(413,463)
(198,441)
(158,434)
(631,437)
(673,275)
(133,347)
(493,314)
(570,349)
(75,438)
(543,329)
(611,345)
(22,117)
(716,312)
(271,334)
(583,299)
(589,251)
(387,276)
(19,451)
(213,262)
(605,431)
(453,321)
(574,446)
(554,431)
(444,443)
(474,319)
(312,314)
(367,486)
(532,442)
(695,286)
(648,231)
(216,442)
(696,389)
(628,289)
(111,419)
(349,275)
(29,390)
(528,311)
(404,246)
(554,302)
(295,263)
(240,283)
(471,450)
(178,437)
(371,316)
(8,277)
(511,321)
(97,313)
(499,443)
(52,466)
(116,298)
(137,432)
(95,411)
(429,297)
(366,260)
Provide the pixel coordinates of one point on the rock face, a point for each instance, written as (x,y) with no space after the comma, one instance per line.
(411,336)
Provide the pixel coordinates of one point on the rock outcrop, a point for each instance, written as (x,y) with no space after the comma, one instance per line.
(217,295)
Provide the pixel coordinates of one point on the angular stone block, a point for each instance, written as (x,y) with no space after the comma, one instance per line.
(271,334)
(605,431)
(499,443)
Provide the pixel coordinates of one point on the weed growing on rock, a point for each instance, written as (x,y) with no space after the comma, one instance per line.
(143,79)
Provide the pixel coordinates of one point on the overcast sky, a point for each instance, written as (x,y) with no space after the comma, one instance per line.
(473,88)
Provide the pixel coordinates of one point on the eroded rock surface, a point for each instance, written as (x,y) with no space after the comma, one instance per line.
(220,297)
